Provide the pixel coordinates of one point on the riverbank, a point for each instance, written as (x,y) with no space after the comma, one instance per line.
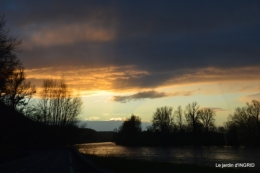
(118,165)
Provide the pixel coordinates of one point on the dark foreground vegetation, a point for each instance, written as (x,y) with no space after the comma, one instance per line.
(18,133)
(139,166)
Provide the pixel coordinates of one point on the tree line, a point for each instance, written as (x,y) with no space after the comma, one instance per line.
(193,126)
(191,119)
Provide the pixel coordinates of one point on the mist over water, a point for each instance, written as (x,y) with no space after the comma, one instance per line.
(201,155)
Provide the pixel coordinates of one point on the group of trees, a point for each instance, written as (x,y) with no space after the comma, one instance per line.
(57,105)
(244,123)
(194,126)
(164,120)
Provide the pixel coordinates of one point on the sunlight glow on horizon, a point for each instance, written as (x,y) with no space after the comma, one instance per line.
(96,87)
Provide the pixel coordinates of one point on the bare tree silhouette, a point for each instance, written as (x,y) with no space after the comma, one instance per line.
(253,110)
(14,90)
(163,119)
(192,116)
(18,92)
(57,106)
(8,60)
(179,118)
(206,116)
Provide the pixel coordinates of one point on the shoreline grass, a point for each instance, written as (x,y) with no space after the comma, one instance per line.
(124,165)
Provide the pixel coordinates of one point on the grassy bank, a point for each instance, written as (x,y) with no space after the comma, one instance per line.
(122,165)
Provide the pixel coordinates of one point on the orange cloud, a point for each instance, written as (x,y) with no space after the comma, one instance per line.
(128,78)
(85,79)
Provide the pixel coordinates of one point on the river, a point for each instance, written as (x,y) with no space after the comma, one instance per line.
(203,155)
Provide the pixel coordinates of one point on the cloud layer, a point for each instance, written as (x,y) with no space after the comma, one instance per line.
(146,44)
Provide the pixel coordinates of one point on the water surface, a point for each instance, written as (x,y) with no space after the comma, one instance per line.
(200,155)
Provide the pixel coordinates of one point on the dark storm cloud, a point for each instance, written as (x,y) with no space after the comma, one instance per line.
(187,76)
(148,95)
(216,109)
(169,40)
(139,96)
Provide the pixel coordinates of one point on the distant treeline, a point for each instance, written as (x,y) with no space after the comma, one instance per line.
(194,126)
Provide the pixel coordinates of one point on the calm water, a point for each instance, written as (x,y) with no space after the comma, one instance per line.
(206,156)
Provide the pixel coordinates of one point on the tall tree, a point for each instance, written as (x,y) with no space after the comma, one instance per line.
(8,60)
(14,90)
(179,118)
(129,132)
(57,105)
(131,125)
(192,116)
(163,119)
(18,92)
(253,110)
(206,116)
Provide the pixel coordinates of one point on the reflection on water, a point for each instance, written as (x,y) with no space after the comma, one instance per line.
(203,155)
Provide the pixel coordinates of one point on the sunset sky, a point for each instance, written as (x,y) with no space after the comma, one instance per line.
(134,56)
